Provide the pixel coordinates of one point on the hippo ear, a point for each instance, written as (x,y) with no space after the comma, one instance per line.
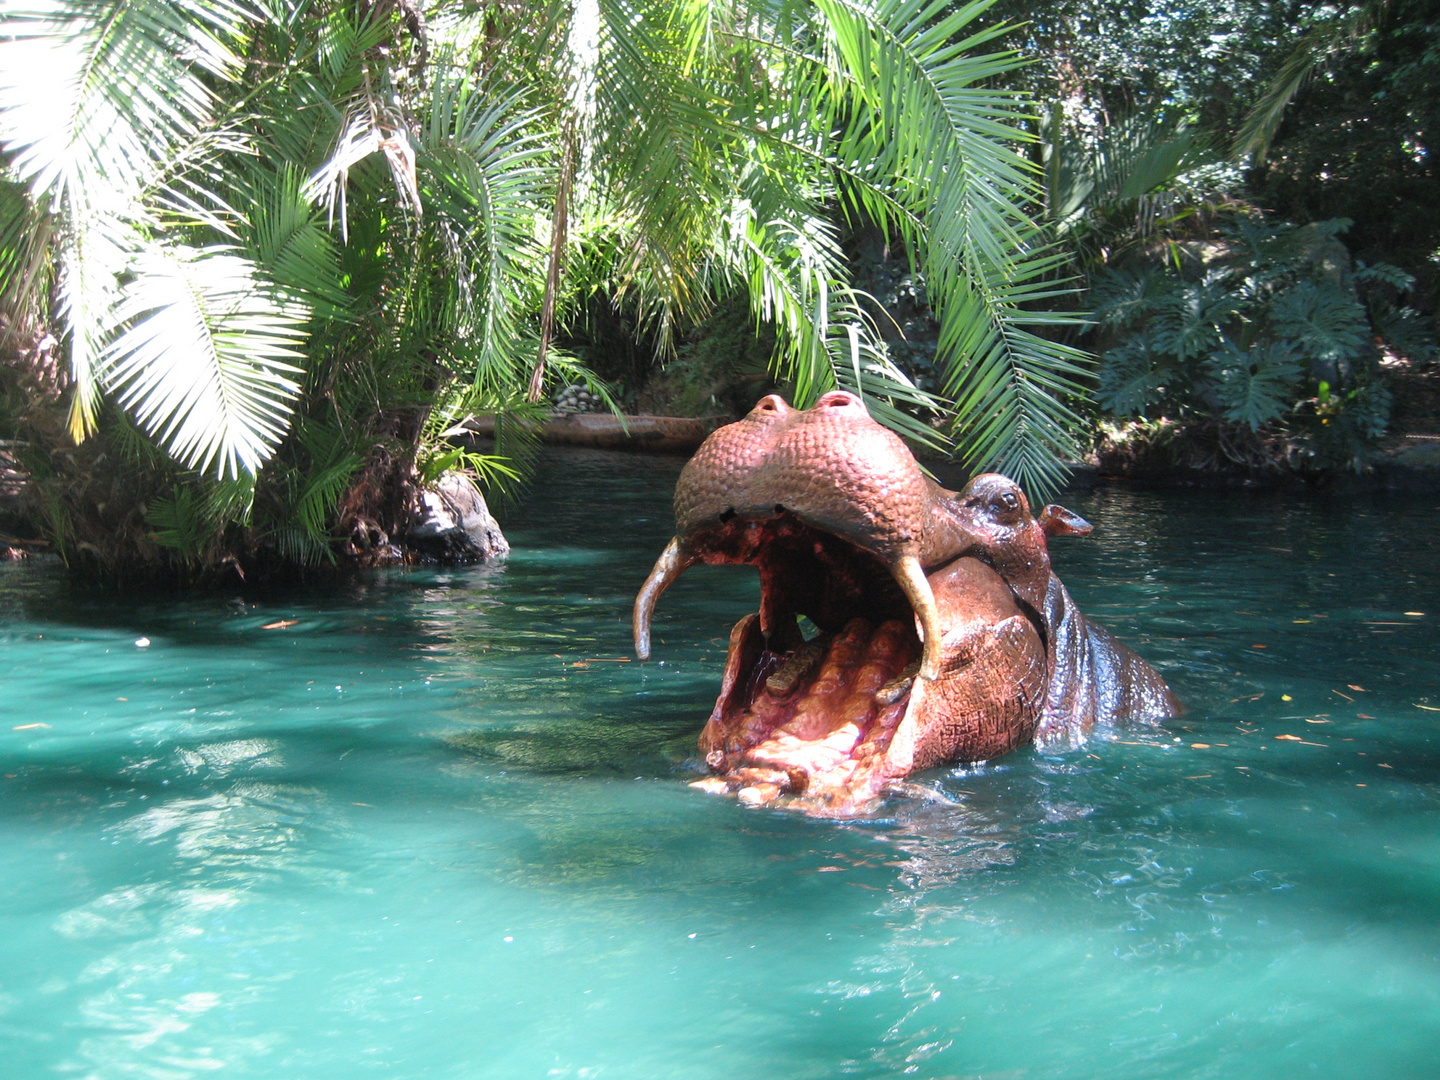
(1057,521)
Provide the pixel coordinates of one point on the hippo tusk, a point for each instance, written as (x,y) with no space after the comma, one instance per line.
(671,564)
(910,576)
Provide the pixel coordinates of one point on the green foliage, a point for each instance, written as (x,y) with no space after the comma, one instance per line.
(1257,331)
(1356,129)
(1384,288)
(283,235)
(454,405)
(1141,57)
(1256,385)
(1322,320)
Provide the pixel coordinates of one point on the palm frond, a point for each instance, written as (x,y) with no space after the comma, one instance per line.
(1263,120)
(98,99)
(333,462)
(482,162)
(26,267)
(285,239)
(926,112)
(97,92)
(180,523)
(202,361)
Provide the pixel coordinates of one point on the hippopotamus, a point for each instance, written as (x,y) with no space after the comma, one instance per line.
(901,626)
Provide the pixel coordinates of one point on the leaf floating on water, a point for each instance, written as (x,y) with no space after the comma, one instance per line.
(281,625)
(1415,614)
(1383,765)
(1310,721)
(1286,697)
(1357,689)
(1290,738)
(1427,708)
(1347,697)
(28,727)
(1364,716)
(1259,646)
(1199,746)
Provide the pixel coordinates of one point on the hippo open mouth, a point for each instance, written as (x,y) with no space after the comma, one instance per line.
(814,717)
(901,626)
(859,666)
(831,720)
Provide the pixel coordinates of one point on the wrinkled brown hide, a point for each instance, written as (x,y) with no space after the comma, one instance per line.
(1090,676)
(986,701)
(942,636)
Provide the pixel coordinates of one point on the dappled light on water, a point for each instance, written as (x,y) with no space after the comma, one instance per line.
(437,824)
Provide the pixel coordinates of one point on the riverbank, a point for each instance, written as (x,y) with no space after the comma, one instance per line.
(1407,462)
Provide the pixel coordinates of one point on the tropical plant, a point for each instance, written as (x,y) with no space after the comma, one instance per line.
(1348,126)
(1116,188)
(276,233)
(1262,329)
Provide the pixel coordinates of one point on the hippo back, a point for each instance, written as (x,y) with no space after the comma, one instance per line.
(1092,676)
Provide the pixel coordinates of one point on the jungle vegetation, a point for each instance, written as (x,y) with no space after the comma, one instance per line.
(260,258)
(1250,191)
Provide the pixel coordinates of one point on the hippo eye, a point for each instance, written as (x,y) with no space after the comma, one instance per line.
(1008,501)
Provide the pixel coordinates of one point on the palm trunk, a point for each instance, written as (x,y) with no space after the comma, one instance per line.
(559,223)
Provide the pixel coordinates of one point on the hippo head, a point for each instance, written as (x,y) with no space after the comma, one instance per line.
(993,512)
(914,649)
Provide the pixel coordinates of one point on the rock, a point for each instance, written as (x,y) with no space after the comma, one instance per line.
(455,524)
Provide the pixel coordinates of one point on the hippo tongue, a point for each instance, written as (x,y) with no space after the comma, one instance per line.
(820,719)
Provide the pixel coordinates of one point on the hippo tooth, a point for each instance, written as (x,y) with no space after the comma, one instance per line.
(795,667)
(910,576)
(671,564)
(897,687)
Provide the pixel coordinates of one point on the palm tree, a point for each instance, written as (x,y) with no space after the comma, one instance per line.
(274,234)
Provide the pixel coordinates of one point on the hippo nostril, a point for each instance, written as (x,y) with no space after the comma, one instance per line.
(772,403)
(728,515)
(779,509)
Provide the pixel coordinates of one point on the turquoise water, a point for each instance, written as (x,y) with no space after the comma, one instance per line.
(438,826)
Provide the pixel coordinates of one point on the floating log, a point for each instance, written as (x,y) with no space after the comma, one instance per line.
(657,434)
